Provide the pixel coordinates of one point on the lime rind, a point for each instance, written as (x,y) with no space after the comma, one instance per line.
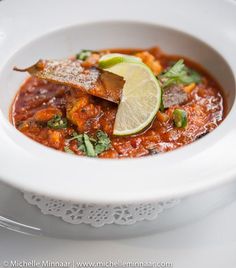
(111,59)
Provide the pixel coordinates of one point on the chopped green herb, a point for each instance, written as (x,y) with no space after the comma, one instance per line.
(76,136)
(103,142)
(195,76)
(83,55)
(68,150)
(180,118)
(179,73)
(90,146)
(57,122)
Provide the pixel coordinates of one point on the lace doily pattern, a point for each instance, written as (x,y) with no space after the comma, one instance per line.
(98,216)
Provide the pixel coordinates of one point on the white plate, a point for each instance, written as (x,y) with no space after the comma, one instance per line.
(19,216)
(199,166)
(207,243)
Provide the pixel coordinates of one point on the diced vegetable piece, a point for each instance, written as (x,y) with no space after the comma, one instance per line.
(57,122)
(47,114)
(163,117)
(180,118)
(83,55)
(80,110)
(23,126)
(150,61)
(189,87)
(55,138)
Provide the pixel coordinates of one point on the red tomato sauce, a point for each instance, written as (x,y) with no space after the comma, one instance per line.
(37,101)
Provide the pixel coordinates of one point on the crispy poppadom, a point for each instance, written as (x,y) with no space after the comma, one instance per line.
(92,80)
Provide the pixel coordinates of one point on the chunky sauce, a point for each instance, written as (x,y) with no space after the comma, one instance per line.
(204,108)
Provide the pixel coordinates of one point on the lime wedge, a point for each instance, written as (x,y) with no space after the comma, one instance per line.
(111,59)
(140,100)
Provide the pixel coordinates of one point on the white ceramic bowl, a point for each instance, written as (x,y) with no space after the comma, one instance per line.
(199,166)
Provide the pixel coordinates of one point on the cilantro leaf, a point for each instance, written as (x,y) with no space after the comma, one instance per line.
(90,146)
(175,70)
(103,142)
(76,136)
(195,76)
(179,73)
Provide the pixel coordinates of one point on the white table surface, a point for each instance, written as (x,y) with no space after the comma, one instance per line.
(210,242)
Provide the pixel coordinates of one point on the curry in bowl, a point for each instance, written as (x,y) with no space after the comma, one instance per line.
(117,103)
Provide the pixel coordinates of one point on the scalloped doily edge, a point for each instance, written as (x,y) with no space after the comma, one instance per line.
(98,216)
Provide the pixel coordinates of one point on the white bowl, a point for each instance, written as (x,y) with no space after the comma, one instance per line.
(199,166)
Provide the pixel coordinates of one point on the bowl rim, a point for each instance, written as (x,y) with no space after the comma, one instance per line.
(22,154)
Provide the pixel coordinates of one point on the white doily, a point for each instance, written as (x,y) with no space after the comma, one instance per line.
(98,216)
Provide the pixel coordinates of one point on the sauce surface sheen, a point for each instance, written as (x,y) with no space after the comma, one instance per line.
(204,107)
